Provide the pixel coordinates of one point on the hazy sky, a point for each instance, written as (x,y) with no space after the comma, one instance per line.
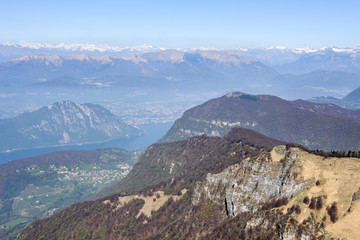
(181,24)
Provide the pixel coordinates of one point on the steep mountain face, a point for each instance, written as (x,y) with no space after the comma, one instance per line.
(62,123)
(37,187)
(317,126)
(241,186)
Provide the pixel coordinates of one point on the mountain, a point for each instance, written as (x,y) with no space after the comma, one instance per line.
(241,186)
(317,126)
(62,123)
(37,187)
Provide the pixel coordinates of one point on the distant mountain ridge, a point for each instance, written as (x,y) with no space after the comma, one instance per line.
(325,59)
(209,70)
(80,47)
(164,69)
(317,126)
(278,57)
(11,50)
(63,123)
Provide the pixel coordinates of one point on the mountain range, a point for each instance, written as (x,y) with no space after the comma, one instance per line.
(316,126)
(291,60)
(241,186)
(165,69)
(11,50)
(62,123)
(290,73)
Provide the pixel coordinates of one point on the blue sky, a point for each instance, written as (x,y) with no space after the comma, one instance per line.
(181,24)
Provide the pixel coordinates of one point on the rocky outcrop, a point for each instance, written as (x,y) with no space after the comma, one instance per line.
(247,185)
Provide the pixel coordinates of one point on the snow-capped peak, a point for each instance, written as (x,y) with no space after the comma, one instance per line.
(282,48)
(304,50)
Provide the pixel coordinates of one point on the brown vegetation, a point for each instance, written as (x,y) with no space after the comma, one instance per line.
(306,200)
(333,212)
(274,203)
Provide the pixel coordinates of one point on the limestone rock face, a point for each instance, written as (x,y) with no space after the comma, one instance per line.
(245,186)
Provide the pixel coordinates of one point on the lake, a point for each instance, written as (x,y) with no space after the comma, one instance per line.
(153,131)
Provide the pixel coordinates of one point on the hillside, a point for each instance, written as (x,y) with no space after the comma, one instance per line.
(317,126)
(62,123)
(241,186)
(37,187)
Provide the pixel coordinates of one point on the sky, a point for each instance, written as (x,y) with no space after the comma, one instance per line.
(222,24)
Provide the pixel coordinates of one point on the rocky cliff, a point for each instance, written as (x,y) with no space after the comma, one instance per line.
(241,186)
